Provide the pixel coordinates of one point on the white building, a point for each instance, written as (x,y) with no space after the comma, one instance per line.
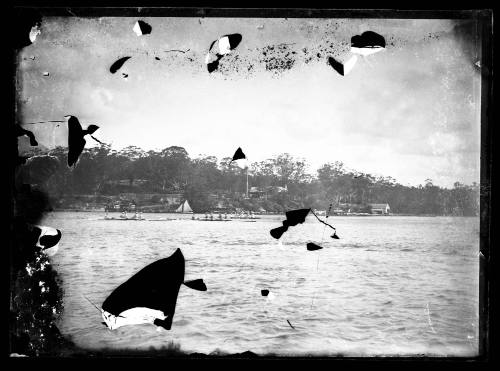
(380,209)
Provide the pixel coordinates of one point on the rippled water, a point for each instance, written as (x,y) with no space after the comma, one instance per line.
(389,286)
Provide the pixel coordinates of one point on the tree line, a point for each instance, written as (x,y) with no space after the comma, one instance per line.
(103,171)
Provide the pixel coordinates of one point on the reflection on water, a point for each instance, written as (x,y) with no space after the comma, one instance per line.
(389,286)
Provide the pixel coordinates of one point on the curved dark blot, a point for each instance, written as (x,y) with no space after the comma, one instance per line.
(47,241)
(368,39)
(157,58)
(76,141)
(198,285)
(212,66)
(290,324)
(312,247)
(337,66)
(91,129)
(165,323)
(238,155)
(294,217)
(334,235)
(212,45)
(118,64)
(234,40)
(144,27)
(278,232)
(154,287)
(264,292)
(20,132)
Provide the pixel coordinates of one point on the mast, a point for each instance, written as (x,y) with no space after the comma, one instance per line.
(247,180)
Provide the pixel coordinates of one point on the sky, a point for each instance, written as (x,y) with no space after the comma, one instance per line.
(411,111)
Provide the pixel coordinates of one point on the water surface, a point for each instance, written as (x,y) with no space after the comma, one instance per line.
(389,286)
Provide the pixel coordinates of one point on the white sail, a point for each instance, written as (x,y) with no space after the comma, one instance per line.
(184,208)
(187,207)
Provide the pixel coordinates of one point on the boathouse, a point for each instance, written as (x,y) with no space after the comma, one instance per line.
(380,209)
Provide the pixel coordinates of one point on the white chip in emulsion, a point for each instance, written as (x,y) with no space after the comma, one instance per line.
(224,46)
(350,64)
(137,29)
(35,31)
(366,51)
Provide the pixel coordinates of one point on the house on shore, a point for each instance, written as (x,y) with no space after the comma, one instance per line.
(266,192)
(145,198)
(380,209)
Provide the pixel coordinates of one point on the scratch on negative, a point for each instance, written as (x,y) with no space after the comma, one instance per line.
(429,318)
(177,50)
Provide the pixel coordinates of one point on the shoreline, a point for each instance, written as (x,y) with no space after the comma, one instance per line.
(345,215)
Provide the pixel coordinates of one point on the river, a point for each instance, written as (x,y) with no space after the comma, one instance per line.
(391,285)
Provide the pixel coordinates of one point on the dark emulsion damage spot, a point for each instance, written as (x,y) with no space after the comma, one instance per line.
(76,141)
(312,247)
(118,64)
